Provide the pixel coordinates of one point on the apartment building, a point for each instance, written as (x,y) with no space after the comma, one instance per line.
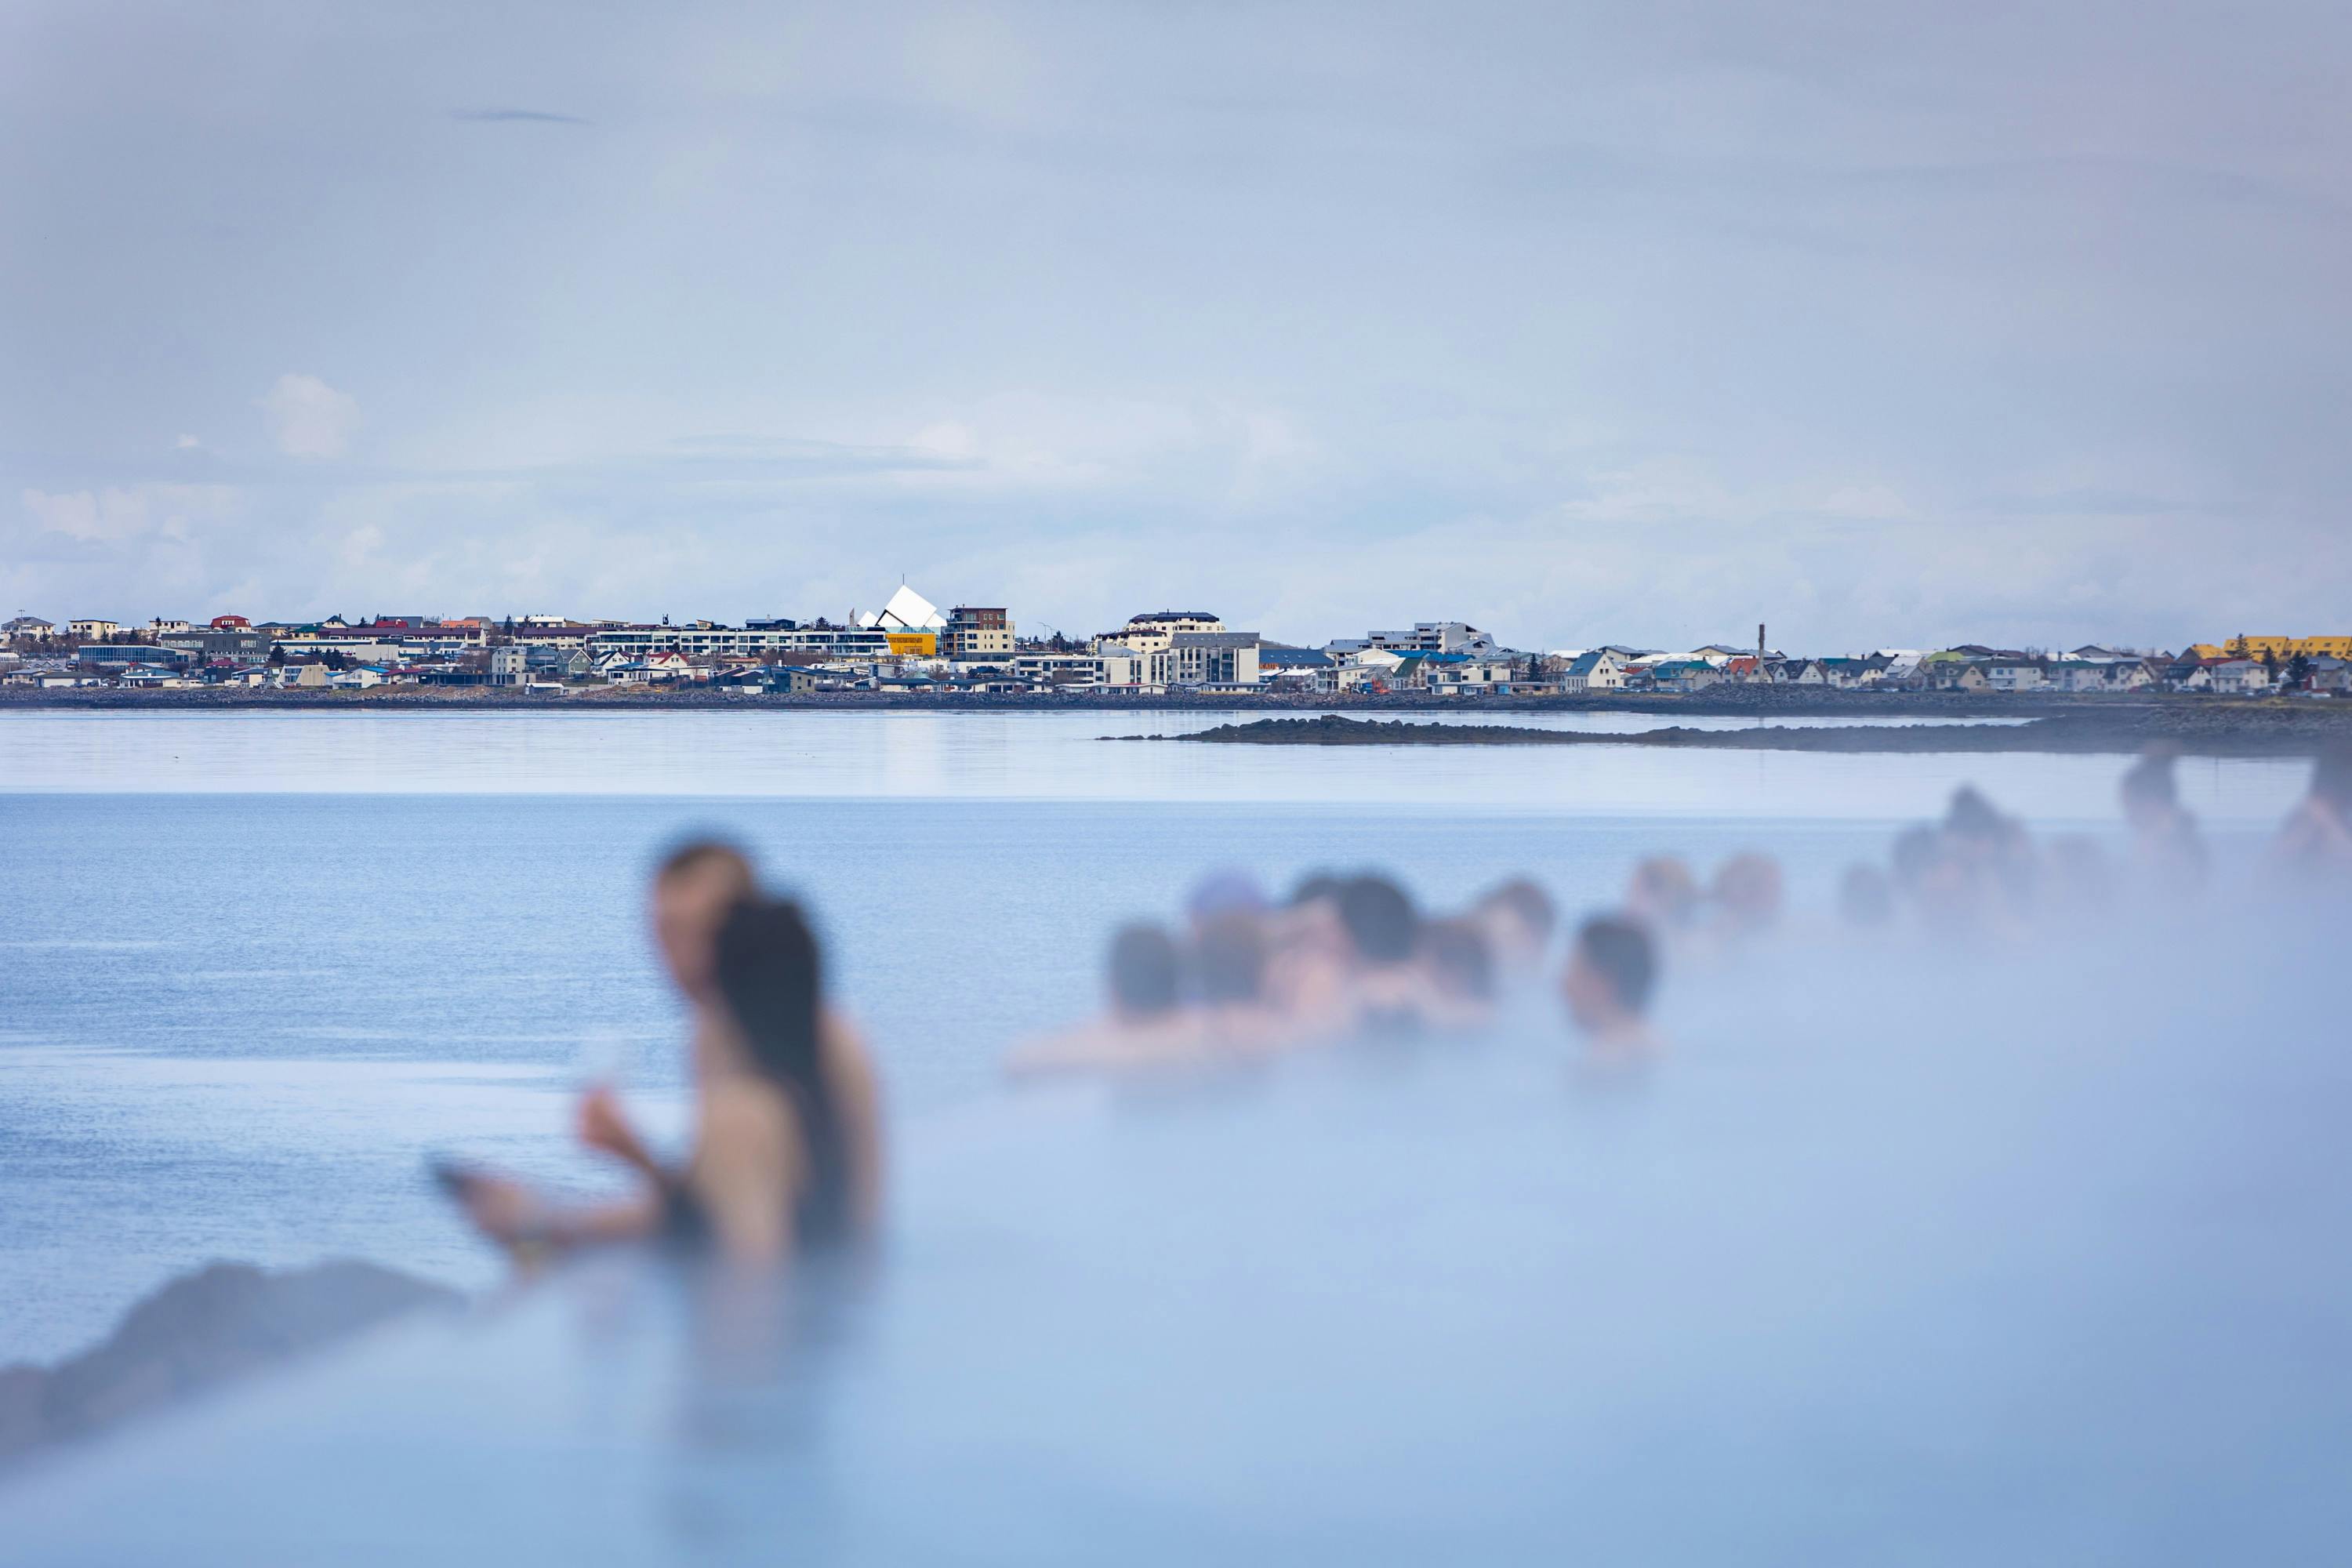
(1153,632)
(975,632)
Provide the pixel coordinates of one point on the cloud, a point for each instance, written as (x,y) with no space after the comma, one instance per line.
(515,116)
(309,418)
(118,514)
(85,514)
(186,444)
(1602,325)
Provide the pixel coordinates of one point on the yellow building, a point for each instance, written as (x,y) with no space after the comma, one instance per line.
(2243,646)
(914,645)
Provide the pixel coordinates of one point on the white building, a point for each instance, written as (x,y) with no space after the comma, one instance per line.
(2016,674)
(847,642)
(1426,637)
(2242,678)
(908,611)
(1599,669)
(1153,632)
(1213,659)
(1110,665)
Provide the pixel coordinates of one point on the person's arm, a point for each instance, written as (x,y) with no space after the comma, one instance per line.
(605,1127)
(1071,1050)
(507,1211)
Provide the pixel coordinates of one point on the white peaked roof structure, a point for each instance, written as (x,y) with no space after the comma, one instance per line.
(908,611)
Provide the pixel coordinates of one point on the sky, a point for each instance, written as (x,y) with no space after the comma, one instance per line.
(2020,323)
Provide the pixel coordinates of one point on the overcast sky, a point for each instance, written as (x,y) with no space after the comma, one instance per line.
(2025,323)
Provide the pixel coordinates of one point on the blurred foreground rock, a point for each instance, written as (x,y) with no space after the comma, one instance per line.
(220,1323)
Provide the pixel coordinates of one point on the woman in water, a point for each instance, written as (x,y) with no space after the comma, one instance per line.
(787,1151)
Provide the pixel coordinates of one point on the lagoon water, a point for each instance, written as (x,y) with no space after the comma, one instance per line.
(257,966)
(2025,1253)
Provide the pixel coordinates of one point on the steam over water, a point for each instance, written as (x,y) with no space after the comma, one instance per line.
(2035,1262)
(1909,1249)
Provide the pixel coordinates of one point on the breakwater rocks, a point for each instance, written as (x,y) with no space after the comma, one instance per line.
(2249,731)
(223,1322)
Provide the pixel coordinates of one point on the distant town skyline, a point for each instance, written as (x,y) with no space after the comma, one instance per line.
(1580,323)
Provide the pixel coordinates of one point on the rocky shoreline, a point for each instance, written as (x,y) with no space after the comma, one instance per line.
(1730,702)
(2235,730)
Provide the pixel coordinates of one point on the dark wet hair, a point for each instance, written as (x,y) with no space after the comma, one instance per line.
(1620,951)
(696,852)
(1460,958)
(772,975)
(1380,918)
(1143,970)
(1530,903)
(1229,960)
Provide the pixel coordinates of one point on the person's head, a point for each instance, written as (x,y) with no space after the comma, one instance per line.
(695,887)
(1229,961)
(1316,887)
(1518,918)
(2151,798)
(1461,961)
(1973,820)
(1222,893)
(1663,892)
(1610,972)
(1747,892)
(1381,925)
(1865,898)
(1143,972)
(769,973)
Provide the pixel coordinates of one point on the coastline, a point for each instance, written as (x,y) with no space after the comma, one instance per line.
(1750,702)
(2247,730)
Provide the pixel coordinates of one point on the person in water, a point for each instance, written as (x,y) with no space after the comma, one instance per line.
(1389,991)
(787,1150)
(1228,961)
(1459,958)
(1745,897)
(1664,894)
(1144,1023)
(2165,843)
(1612,970)
(1517,919)
(1311,964)
(2314,843)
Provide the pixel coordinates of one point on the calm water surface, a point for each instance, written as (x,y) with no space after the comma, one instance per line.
(258,966)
